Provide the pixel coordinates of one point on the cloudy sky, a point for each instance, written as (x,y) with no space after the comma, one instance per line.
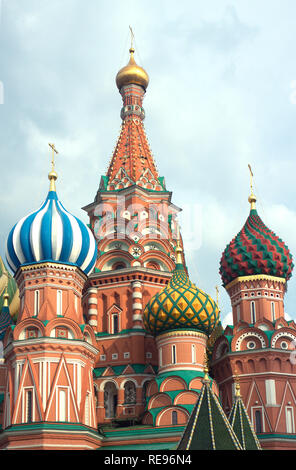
(222,94)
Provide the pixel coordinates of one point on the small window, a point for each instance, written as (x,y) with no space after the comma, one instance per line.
(148,355)
(193,352)
(284,345)
(29,406)
(62,405)
(115,356)
(59,302)
(36,302)
(126,355)
(253,312)
(103,357)
(258,422)
(289,420)
(115,323)
(251,345)
(238,313)
(174,418)
(173,354)
(272,311)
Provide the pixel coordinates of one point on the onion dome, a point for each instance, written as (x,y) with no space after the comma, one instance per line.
(255,250)
(8,286)
(180,305)
(51,234)
(5,317)
(132,74)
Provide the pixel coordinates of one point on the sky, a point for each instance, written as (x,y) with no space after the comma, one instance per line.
(222,94)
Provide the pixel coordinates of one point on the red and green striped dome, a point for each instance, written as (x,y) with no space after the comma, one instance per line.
(255,250)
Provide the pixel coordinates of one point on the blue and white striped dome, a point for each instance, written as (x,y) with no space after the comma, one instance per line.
(51,234)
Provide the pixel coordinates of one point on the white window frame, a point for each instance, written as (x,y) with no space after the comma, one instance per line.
(193,354)
(59,302)
(253,312)
(291,411)
(36,302)
(272,306)
(253,410)
(238,313)
(60,389)
(174,354)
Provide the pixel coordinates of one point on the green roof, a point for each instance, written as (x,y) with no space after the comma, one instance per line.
(155,446)
(118,370)
(242,426)
(186,375)
(208,427)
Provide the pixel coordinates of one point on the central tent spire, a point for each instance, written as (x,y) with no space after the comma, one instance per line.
(132,162)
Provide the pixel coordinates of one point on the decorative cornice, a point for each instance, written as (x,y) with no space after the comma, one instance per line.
(181,333)
(255,277)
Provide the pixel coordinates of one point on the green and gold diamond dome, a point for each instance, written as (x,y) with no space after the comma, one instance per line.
(180,305)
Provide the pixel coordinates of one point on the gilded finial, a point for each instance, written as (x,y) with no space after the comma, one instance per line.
(52,176)
(5,298)
(237,386)
(217,297)
(252,198)
(132,50)
(179,250)
(206,378)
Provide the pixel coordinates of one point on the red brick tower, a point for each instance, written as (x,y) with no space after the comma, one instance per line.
(133,220)
(255,268)
(49,354)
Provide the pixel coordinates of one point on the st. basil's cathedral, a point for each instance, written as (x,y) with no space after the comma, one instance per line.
(108,344)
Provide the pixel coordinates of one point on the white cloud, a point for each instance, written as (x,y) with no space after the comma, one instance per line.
(218,99)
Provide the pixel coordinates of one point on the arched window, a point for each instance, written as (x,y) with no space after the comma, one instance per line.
(144,391)
(110,400)
(253,312)
(258,422)
(289,420)
(115,323)
(29,406)
(36,302)
(174,418)
(118,266)
(129,392)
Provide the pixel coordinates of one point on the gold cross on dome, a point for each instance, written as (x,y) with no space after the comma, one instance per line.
(251,177)
(54,150)
(132,37)
(217,295)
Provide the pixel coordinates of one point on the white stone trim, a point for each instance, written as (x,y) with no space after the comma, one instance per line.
(137,317)
(137,295)
(137,306)
(92,311)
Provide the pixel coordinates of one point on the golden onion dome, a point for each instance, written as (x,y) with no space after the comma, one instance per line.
(132,74)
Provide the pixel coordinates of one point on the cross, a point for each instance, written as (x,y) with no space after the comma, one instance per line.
(132,37)
(217,294)
(251,177)
(54,150)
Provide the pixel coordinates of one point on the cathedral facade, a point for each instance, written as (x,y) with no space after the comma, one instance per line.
(108,344)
